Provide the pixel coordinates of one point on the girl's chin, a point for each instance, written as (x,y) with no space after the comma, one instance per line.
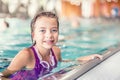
(48,47)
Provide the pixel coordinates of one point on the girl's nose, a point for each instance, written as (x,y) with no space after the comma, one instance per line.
(48,34)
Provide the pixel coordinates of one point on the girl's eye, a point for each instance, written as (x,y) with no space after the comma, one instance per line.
(42,31)
(54,30)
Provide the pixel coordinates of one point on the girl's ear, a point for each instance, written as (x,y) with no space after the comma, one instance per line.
(33,40)
(32,35)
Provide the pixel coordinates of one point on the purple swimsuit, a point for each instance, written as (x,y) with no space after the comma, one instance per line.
(41,68)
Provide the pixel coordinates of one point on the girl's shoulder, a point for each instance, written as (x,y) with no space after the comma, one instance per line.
(56,49)
(25,51)
(28,52)
(57,52)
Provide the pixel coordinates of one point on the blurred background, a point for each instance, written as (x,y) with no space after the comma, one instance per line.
(67,10)
(64,8)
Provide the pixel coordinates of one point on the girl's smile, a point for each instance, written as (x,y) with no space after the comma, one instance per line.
(49,42)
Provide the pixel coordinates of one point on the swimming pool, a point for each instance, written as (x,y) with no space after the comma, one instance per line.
(92,36)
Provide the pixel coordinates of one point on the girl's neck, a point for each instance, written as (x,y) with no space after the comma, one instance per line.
(43,51)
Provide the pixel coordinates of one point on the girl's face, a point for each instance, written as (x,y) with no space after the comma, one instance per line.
(46,32)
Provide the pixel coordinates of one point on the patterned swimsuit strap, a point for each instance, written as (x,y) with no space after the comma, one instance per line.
(35,54)
(55,60)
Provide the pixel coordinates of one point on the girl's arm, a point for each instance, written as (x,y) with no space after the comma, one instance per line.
(18,62)
(6,73)
(89,57)
(85,59)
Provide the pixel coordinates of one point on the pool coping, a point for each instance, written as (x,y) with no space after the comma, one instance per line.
(73,72)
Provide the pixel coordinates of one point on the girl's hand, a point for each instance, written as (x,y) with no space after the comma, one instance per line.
(90,57)
(1,74)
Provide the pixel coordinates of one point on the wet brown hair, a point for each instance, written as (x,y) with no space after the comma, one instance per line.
(43,14)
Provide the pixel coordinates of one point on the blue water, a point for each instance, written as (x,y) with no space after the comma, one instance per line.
(92,36)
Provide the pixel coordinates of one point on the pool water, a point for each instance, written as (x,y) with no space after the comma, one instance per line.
(13,39)
(92,36)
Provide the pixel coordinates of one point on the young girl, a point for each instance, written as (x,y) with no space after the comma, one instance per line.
(39,59)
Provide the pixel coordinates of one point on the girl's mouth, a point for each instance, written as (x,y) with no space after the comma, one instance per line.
(49,42)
